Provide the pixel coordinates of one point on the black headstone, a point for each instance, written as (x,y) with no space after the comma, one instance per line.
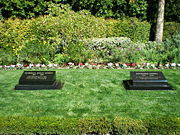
(38,80)
(147,80)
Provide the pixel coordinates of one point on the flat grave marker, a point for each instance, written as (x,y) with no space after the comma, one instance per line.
(147,80)
(38,80)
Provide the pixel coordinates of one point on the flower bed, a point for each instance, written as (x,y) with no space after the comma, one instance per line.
(71,65)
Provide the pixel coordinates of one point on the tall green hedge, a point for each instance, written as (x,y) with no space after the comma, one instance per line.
(77,126)
(142,9)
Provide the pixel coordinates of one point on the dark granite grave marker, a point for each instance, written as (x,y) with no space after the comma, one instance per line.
(37,80)
(143,80)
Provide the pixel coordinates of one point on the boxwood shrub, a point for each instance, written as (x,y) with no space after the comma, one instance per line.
(78,126)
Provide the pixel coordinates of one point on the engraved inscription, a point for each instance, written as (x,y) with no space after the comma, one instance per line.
(38,73)
(147,76)
(36,77)
(48,73)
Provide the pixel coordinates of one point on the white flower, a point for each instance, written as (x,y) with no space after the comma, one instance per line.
(166,65)
(13,66)
(153,65)
(117,64)
(148,64)
(71,64)
(50,65)
(31,65)
(38,65)
(7,66)
(110,64)
(19,65)
(173,64)
(178,65)
(86,64)
(55,65)
(43,65)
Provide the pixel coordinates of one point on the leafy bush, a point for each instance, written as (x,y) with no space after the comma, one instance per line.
(154,52)
(106,8)
(38,40)
(141,9)
(170,29)
(7,57)
(36,51)
(126,126)
(95,125)
(172,48)
(22,8)
(163,126)
(61,59)
(132,28)
(124,50)
(112,9)
(35,125)
(77,52)
(12,37)
(72,126)
(117,50)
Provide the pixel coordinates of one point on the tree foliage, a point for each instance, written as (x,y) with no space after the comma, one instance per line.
(23,8)
(142,9)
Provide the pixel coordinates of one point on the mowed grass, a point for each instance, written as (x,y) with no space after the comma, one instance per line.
(89,93)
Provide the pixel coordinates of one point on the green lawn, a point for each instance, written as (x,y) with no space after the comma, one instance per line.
(89,93)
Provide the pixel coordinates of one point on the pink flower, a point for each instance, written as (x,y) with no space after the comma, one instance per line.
(80,64)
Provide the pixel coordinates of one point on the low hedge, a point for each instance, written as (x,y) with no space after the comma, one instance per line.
(72,126)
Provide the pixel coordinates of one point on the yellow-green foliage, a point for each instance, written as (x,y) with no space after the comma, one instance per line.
(77,126)
(163,126)
(95,125)
(38,39)
(127,126)
(14,33)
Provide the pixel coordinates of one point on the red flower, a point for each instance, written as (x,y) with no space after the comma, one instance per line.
(128,64)
(133,64)
(26,65)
